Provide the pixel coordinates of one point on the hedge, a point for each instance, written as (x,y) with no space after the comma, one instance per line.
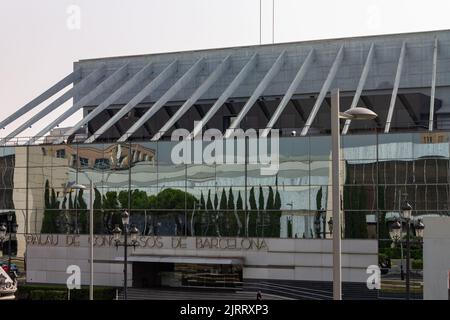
(60,292)
(417,264)
(395,253)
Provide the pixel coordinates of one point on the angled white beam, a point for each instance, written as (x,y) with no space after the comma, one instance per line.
(289,93)
(433,85)
(71,78)
(149,88)
(130,84)
(92,78)
(105,85)
(359,89)
(398,76)
(249,66)
(273,71)
(325,88)
(221,68)
(185,79)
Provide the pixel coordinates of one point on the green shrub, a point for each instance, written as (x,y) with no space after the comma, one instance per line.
(417,264)
(60,292)
(395,253)
(48,295)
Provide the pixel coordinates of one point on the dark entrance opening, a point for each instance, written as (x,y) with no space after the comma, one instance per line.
(175,275)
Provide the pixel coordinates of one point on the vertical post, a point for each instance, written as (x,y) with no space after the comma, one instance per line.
(335,137)
(433,86)
(9,242)
(125,259)
(91,232)
(408,257)
(260,21)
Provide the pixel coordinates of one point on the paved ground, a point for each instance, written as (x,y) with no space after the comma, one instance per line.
(168,294)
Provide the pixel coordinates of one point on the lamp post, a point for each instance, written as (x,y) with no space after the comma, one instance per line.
(396,235)
(357,113)
(74,186)
(133,234)
(407,213)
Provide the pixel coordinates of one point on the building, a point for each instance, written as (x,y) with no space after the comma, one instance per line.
(229,222)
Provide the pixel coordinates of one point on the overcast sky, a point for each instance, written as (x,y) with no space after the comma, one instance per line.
(41,39)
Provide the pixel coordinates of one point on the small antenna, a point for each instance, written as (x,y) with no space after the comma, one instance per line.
(273,21)
(260,21)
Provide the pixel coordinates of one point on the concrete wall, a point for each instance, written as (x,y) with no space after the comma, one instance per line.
(436,258)
(279,259)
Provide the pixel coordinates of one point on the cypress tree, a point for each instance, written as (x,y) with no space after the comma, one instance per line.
(202,201)
(261,213)
(276,215)
(98,218)
(216,202)
(239,212)
(83,223)
(239,203)
(251,217)
(232,215)
(223,214)
(210,213)
(268,217)
(49,224)
(201,213)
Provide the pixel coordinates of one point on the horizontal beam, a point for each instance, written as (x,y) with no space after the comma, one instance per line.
(149,88)
(289,93)
(323,92)
(71,78)
(395,89)
(213,77)
(359,89)
(130,84)
(184,80)
(273,71)
(101,88)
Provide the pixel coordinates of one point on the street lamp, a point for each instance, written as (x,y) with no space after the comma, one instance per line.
(357,113)
(419,228)
(75,186)
(396,235)
(117,232)
(406,215)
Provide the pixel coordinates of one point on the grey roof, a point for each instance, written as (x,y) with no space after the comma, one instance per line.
(418,62)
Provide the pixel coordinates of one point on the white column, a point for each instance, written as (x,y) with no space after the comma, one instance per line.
(336,195)
(362,82)
(325,88)
(433,86)
(396,86)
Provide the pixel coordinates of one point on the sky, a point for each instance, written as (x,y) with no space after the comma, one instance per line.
(40,40)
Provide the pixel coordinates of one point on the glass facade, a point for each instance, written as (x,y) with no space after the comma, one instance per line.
(226,199)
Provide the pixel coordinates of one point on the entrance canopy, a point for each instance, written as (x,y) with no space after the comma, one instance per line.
(183,259)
